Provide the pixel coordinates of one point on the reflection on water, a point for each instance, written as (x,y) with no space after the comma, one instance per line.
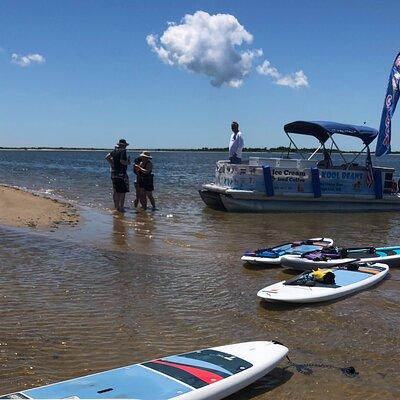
(131,231)
(119,233)
(120,289)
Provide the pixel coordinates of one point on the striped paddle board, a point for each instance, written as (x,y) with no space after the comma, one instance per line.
(212,373)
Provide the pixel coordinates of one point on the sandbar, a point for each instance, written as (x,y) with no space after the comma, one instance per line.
(19,208)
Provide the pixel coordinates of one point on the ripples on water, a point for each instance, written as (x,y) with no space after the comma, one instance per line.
(119,290)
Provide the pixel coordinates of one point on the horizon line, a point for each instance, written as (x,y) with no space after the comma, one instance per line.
(200,149)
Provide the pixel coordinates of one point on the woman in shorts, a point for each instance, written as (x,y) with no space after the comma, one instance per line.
(145,180)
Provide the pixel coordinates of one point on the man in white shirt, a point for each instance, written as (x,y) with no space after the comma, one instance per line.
(236,144)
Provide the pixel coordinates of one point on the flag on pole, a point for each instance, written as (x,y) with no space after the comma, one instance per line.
(369,179)
(389,106)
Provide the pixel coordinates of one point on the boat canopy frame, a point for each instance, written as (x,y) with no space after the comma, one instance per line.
(324,130)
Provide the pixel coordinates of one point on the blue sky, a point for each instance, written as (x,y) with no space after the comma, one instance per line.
(99,79)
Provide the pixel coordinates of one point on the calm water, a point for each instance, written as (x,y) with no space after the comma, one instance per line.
(119,290)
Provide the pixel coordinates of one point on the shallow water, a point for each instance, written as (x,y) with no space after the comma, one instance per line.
(118,290)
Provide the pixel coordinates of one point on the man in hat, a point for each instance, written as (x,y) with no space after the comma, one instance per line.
(145,179)
(236,144)
(119,161)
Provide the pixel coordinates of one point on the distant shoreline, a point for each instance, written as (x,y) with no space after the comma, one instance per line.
(281,149)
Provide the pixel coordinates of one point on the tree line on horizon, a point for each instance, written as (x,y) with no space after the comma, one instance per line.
(279,149)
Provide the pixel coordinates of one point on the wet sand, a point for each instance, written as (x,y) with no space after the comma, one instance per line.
(23,209)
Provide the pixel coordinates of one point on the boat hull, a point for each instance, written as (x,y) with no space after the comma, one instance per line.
(250,202)
(212,200)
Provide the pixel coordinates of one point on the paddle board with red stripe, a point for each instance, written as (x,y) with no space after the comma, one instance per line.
(210,374)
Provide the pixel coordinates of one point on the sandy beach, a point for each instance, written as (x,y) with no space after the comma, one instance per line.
(23,209)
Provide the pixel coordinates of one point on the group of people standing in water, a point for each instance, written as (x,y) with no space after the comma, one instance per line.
(143,170)
(119,161)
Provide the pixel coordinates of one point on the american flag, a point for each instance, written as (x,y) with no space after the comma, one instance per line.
(369,179)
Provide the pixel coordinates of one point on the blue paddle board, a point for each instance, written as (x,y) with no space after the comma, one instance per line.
(212,373)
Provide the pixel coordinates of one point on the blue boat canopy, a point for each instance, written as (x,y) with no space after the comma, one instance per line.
(323,129)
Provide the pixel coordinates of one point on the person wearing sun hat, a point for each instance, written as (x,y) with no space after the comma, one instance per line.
(135,183)
(119,161)
(145,179)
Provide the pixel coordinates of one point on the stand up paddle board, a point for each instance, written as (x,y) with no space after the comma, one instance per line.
(304,288)
(328,257)
(273,255)
(205,374)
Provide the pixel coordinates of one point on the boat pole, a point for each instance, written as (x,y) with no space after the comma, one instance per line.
(337,148)
(294,144)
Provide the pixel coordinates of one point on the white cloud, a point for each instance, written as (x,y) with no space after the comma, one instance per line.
(266,69)
(207,44)
(26,61)
(295,80)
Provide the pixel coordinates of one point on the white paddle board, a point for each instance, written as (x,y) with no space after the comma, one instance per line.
(346,282)
(386,255)
(211,374)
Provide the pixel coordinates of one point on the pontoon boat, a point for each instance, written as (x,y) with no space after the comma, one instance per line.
(306,184)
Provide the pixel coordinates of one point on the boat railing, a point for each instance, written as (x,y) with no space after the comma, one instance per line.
(225,166)
(256,163)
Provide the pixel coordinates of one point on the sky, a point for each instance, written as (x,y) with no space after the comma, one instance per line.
(174,74)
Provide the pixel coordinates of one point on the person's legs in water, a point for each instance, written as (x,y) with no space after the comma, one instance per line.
(151,198)
(141,194)
(137,190)
(124,190)
(121,187)
(143,198)
(115,198)
(121,202)
(115,191)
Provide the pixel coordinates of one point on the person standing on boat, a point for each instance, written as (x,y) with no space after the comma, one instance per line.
(236,144)
(119,161)
(145,180)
